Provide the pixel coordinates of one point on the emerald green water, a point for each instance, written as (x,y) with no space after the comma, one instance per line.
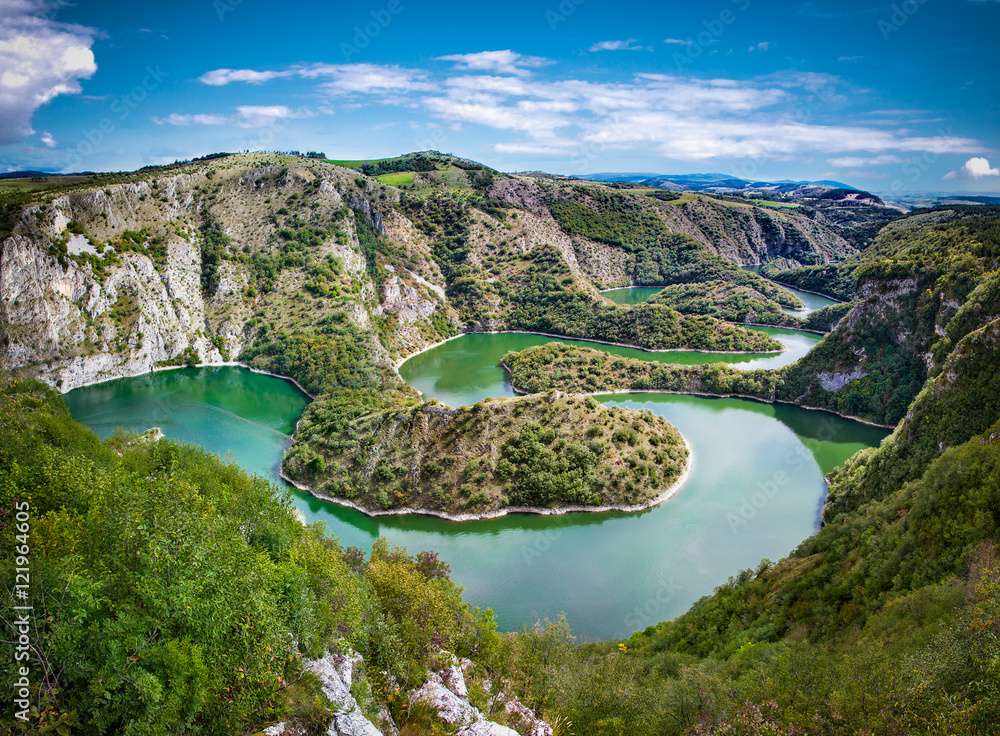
(754,491)
(631,294)
(467,369)
(810,302)
(638,294)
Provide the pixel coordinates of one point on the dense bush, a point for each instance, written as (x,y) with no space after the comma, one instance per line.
(175,594)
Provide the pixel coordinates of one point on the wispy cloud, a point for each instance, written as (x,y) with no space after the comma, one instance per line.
(679,116)
(48,140)
(678,42)
(245,116)
(338,78)
(39,60)
(626,44)
(760,46)
(503,62)
(220,77)
(854,162)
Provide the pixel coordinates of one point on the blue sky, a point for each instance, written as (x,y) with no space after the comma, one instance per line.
(899,96)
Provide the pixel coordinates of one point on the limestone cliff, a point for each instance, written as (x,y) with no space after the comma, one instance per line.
(116,280)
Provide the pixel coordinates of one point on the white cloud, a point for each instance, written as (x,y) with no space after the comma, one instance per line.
(627,44)
(759,46)
(369,78)
(221,77)
(39,59)
(854,162)
(976,167)
(246,116)
(678,42)
(697,137)
(180,119)
(534,149)
(340,78)
(48,140)
(255,116)
(680,116)
(503,62)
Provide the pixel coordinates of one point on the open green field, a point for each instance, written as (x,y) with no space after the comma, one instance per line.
(778,205)
(397,178)
(348,163)
(40,183)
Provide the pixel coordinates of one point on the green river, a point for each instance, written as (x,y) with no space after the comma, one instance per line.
(754,492)
(638,294)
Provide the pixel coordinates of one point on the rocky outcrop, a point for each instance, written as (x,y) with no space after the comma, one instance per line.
(110,281)
(64,325)
(749,234)
(336,675)
(446,692)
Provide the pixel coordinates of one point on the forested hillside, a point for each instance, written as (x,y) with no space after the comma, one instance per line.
(176,594)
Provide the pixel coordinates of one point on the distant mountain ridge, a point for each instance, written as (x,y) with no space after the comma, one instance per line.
(710,181)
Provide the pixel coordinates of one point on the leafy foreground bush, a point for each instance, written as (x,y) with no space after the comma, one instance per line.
(175,594)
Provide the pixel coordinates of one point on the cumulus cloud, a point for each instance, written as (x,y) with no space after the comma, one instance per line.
(627,44)
(503,62)
(48,140)
(39,60)
(976,167)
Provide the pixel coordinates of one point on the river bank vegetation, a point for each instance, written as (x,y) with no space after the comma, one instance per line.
(546,452)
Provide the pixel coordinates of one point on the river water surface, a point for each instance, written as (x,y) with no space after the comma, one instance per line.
(754,491)
(639,294)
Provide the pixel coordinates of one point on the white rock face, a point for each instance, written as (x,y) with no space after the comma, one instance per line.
(335,673)
(835,381)
(57,318)
(447,693)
